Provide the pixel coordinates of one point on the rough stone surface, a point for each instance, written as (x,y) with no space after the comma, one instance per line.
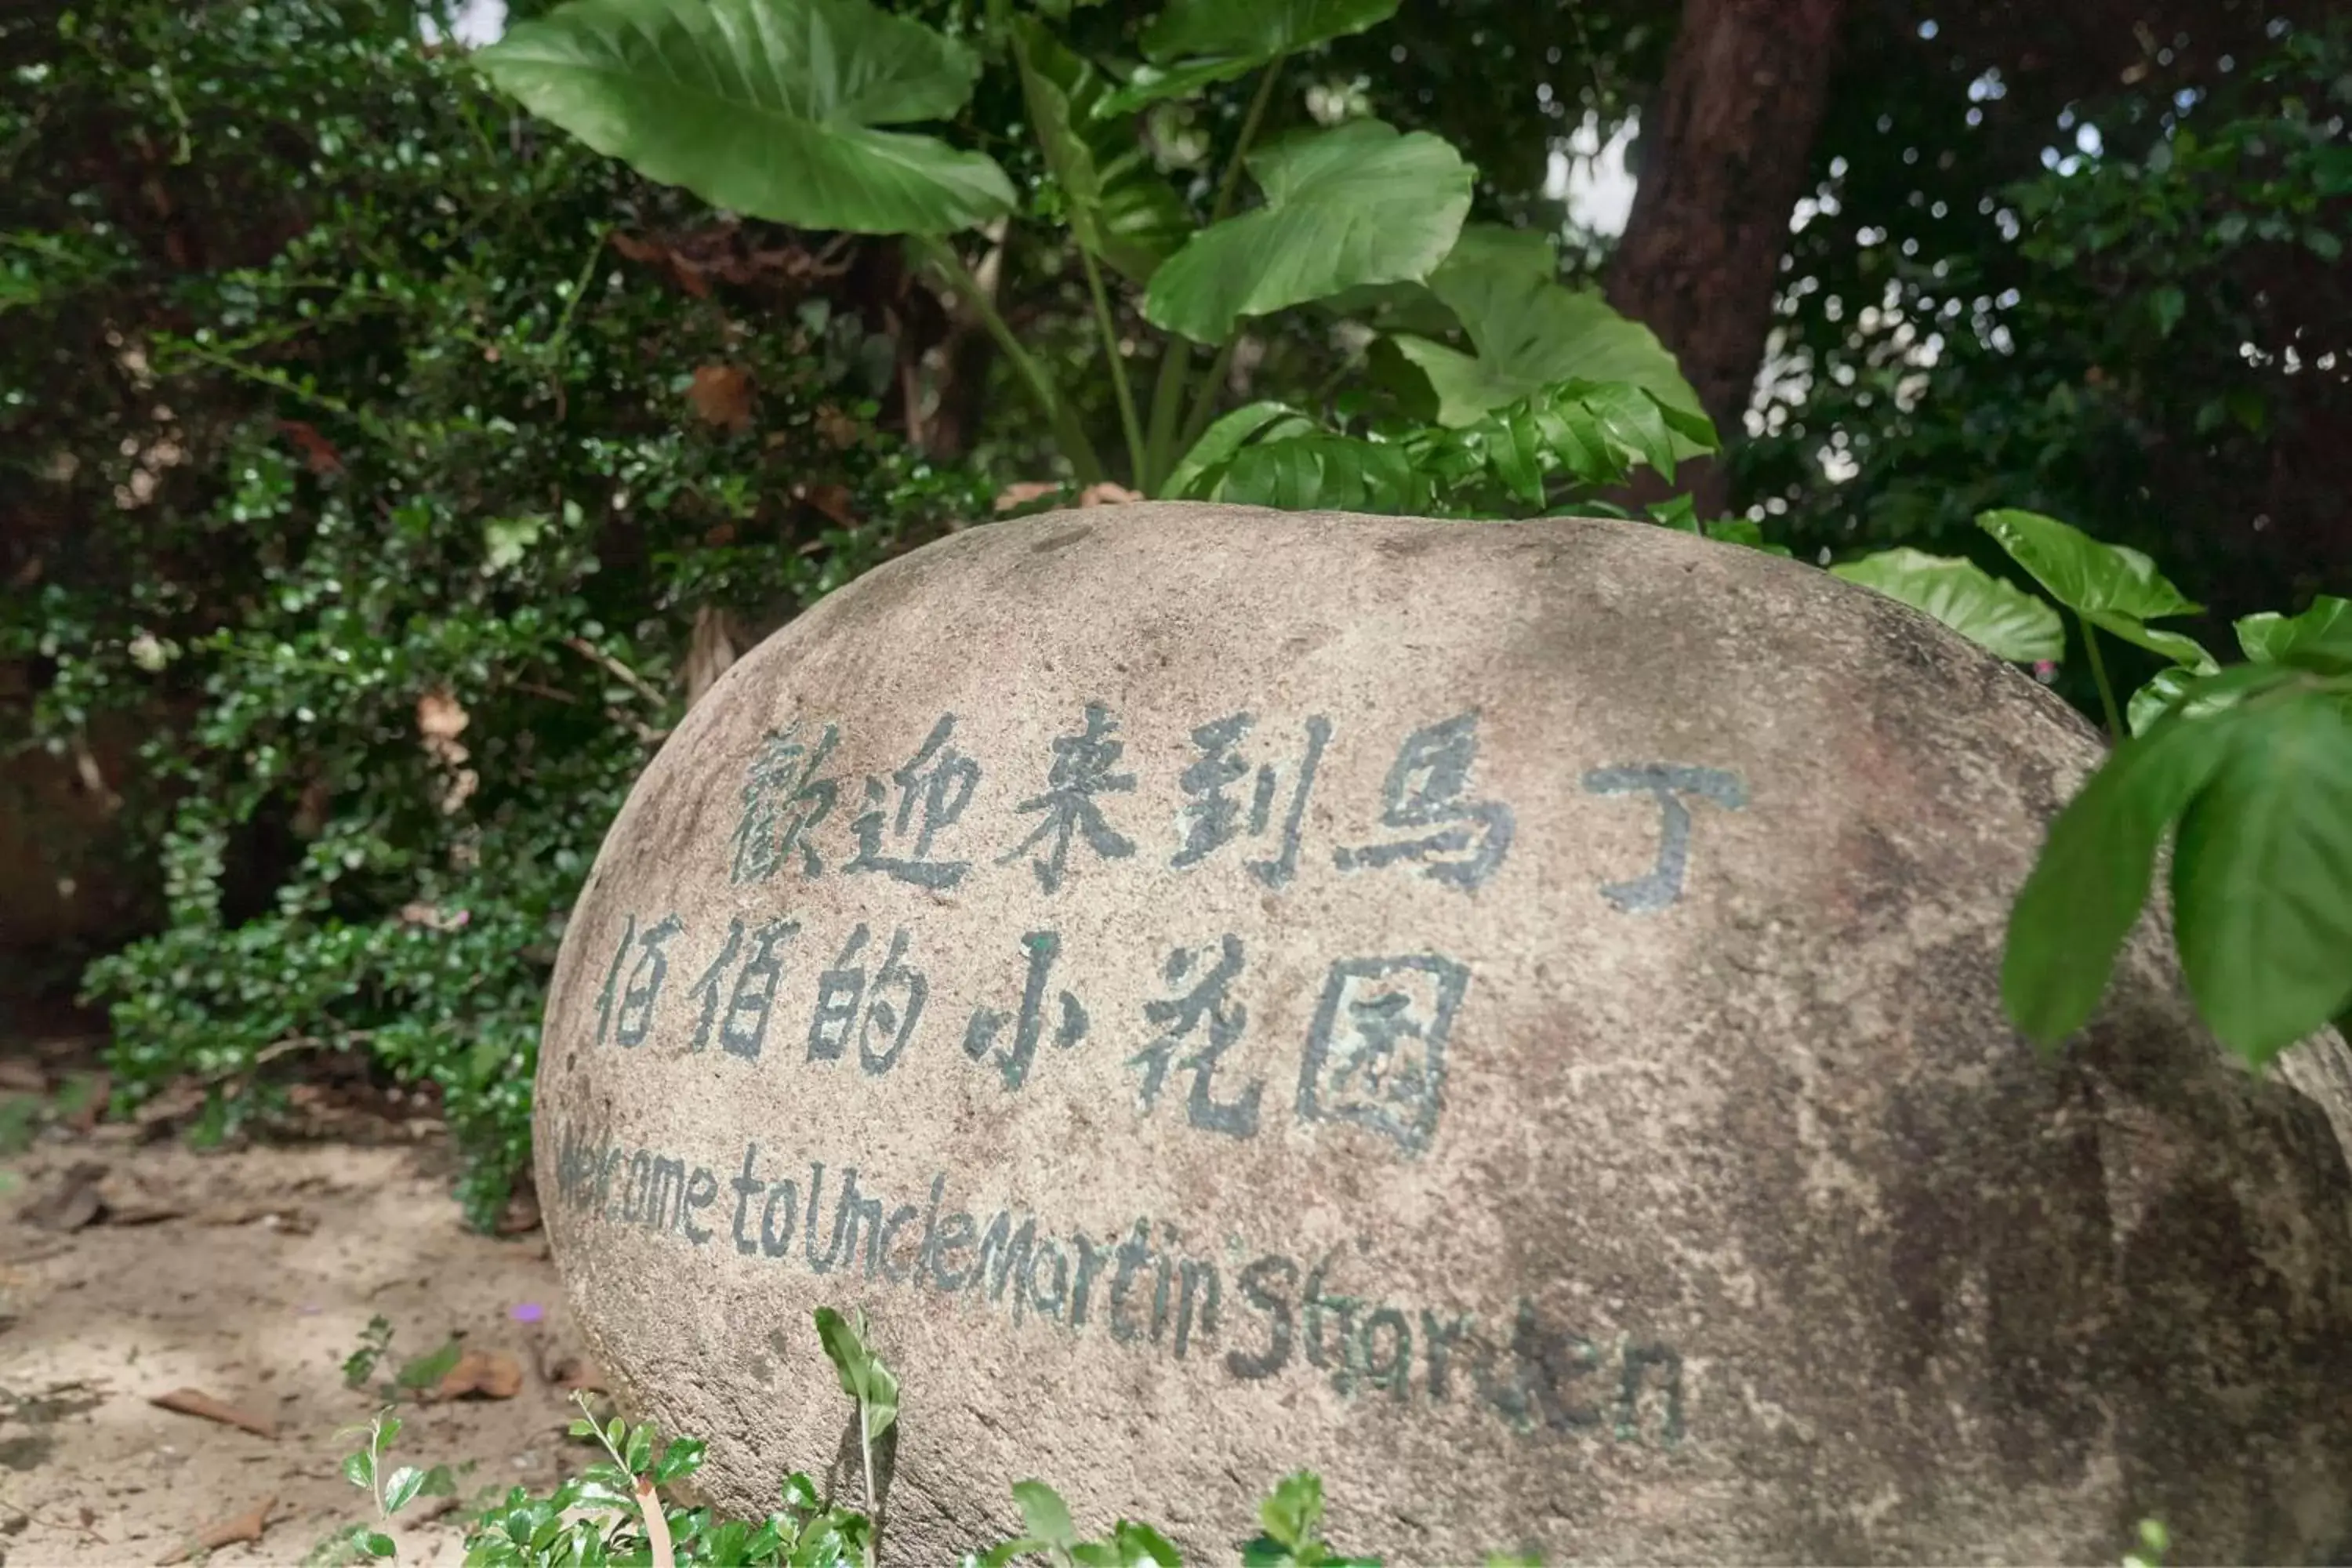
(1595,1130)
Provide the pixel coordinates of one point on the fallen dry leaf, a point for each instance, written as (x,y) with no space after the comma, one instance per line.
(197,1403)
(132,1202)
(317,450)
(1109,494)
(440,717)
(93,1105)
(247,1526)
(832,500)
(575,1375)
(689,276)
(837,427)
(72,1204)
(520,1216)
(492,1374)
(18,1077)
(1024,492)
(721,396)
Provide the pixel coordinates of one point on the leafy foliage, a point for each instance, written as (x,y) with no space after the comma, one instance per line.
(2115,588)
(1346,210)
(2249,766)
(1547,452)
(613,1513)
(2128,338)
(386,518)
(1116,202)
(1293,1517)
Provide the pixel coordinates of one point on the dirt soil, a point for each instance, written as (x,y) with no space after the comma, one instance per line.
(131,1267)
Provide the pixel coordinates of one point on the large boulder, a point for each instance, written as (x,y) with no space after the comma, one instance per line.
(1504,1014)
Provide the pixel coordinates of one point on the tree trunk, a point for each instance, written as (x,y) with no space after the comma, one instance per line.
(1726,146)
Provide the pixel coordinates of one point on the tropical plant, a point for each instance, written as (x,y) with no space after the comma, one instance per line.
(2247,767)
(779,109)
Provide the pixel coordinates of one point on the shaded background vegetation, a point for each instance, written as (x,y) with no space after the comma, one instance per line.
(380,472)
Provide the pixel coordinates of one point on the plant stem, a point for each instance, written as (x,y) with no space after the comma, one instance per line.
(1204,408)
(1175,367)
(658,1550)
(1166,411)
(865,1443)
(1139,474)
(1068,432)
(2107,688)
(1232,182)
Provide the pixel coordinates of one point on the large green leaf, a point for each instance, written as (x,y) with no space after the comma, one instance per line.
(2092,877)
(1045,1515)
(1118,206)
(764,107)
(1193,43)
(2320,639)
(1353,205)
(2115,588)
(2195,692)
(1994,615)
(2261,878)
(1530,331)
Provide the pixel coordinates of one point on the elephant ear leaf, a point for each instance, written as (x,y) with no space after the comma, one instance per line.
(1999,617)
(1357,204)
(2115,588)
(2320,639)
(769,108)
(1532,331)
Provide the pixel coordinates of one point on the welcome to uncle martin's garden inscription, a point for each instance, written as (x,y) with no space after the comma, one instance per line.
(1373,1055)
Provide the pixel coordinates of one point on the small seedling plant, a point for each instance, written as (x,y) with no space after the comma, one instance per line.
(415,1376)
(614,1514)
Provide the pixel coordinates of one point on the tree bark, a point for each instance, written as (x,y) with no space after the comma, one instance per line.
(1726,146)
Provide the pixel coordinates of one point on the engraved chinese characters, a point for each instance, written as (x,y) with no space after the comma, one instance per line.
(1375,1053)
(1505,1016)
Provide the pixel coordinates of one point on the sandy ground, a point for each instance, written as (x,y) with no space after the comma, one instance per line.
(249,1275)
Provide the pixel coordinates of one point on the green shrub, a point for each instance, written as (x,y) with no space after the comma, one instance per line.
(392,469)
